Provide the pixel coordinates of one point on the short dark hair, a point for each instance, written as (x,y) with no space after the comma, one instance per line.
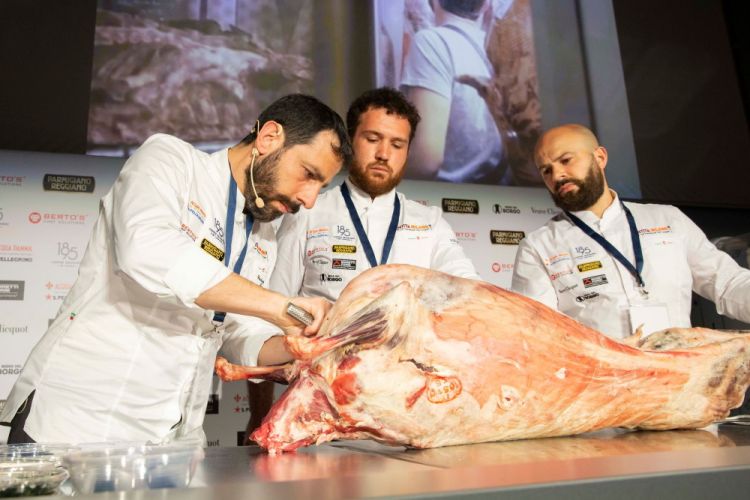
(303,117)
(468,9)
(393,101)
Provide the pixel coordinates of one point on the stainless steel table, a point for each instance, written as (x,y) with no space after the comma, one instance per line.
(711,463)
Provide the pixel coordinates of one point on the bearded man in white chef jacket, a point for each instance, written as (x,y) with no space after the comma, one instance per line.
(175,268)
(616,266)
(363,222)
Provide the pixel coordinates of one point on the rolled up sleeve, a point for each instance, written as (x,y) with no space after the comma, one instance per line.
(147,202)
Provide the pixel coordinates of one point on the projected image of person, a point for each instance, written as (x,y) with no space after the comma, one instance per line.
(480,107)
(618,266)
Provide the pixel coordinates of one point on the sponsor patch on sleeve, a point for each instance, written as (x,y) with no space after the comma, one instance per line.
(212,250)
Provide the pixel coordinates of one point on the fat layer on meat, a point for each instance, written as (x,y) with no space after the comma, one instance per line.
(409,356)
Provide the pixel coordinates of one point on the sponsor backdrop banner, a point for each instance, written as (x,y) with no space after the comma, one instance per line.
(49,203)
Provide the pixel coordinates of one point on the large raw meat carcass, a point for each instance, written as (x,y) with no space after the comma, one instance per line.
(415,357)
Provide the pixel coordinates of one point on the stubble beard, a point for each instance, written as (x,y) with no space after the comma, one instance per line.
(265,175)
(374,186)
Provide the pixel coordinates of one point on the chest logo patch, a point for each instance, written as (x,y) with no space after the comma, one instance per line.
(587,296)
(589,266)
(599,279)
(348,264)
(344,249)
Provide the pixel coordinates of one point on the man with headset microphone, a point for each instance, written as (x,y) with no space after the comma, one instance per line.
(174,270)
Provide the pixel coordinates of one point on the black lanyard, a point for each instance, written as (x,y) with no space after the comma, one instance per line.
(634,238)
(229,231)
(363,239)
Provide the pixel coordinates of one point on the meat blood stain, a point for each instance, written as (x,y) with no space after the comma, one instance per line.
(345,388)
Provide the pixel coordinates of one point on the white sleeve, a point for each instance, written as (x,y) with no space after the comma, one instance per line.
(428,64)
(148,246)
(289,272)
(716,276)
(244,337)
(530,277)
(448,256)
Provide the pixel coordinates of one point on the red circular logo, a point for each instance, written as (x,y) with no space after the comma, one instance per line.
(35,217)
(496,267)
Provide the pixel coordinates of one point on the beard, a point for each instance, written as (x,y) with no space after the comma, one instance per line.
(590,189)
(374,186)
(265,175)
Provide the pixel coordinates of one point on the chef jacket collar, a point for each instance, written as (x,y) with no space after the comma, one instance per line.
(609,216)
(363,201)
(220,160)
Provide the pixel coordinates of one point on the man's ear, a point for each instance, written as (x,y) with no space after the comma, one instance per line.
(600,155)
(270,137)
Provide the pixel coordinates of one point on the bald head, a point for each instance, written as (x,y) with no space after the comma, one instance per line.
(570,135)
(571,163)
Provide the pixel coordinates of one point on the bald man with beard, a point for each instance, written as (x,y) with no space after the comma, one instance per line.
(614,265)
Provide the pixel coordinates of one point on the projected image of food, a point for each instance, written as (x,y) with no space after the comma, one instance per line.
(199,70)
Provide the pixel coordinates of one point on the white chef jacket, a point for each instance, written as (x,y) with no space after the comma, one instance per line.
(562,267)
(320,253)
(130,355)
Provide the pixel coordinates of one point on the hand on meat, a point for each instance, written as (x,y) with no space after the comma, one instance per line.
(318,307)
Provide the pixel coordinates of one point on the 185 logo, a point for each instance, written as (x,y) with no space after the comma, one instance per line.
(66,251)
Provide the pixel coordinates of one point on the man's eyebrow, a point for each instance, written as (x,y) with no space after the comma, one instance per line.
(315,171)
(557,158)
(381,135)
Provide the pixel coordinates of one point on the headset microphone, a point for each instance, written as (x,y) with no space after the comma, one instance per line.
(258,200)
